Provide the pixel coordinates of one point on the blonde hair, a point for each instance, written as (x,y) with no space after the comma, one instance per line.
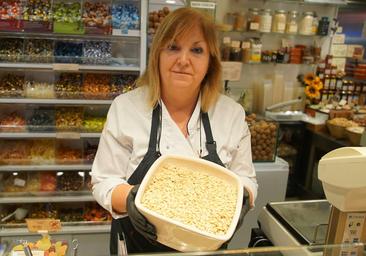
(178,23)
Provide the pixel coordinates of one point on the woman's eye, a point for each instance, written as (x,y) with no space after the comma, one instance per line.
(172,47)
(197,50)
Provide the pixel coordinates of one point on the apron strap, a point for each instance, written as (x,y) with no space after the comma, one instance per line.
(210,143)
(155,131)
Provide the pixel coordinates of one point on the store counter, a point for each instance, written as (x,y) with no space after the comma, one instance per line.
(272,183)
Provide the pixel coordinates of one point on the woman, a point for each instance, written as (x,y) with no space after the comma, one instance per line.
(177,109)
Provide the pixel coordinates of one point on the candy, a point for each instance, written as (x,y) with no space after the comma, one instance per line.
(14,152)
(38,50)
(48,181)
(97,52)
(67,12)
(68,85)
(11,86)
(89,153)
(96,86)
(69,119)
(11,49)
(37,10)
(43,151)
(41,120)
(125,17)
(96,14)
(68,52)
(10,10)
(12,122)
(69,181)
(39,90)
(122,84)
(67,155)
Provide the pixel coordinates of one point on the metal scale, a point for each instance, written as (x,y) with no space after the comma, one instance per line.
(340,219)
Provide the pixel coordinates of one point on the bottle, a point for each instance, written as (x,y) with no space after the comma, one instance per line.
(326,82)
(265,21)
(315,24)
(245,51)
(291,26)
(279,22)
(235,51)
(323,26)
(225,49)
(306,23)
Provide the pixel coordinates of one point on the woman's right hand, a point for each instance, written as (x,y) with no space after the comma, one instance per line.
(139,222)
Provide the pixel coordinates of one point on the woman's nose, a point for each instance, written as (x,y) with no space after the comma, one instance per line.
(183,58)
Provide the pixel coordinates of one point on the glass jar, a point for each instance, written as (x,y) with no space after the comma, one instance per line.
(279,21)
(306,23)
(225,49)
(314,26)
(239,21)
(291,26)
(229,20)
(253,19)
(235,51)
(245,51)
(265,21)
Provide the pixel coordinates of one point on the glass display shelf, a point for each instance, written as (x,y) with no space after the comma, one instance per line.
(60,135)
(56,198)
(30,35)
(273,63)
(79,227)
(271,34)
(55,167)
(55,101)
(115,66)
(278,251)
(312,2)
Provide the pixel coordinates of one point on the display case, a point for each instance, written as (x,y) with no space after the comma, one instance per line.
(58,76)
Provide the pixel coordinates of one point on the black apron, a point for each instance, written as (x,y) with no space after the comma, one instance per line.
(122,228)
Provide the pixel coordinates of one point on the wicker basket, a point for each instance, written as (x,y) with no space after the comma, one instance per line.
(336,131)
(354,135)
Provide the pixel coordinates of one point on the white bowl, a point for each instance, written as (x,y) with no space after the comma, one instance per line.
(176,234)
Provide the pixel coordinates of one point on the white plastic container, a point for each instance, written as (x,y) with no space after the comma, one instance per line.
(180,236)
(342,173)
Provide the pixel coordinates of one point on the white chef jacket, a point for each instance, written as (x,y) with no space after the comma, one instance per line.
(125,139)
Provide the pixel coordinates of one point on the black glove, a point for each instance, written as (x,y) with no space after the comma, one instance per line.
(139,222)
(244,209)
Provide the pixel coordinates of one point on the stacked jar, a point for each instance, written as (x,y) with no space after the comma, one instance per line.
(265,21)
(279,22)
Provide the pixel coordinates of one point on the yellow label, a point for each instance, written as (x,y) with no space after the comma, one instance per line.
(50,225)
(65,67)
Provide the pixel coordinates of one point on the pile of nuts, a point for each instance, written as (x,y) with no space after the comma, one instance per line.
(96,86)
(263,139)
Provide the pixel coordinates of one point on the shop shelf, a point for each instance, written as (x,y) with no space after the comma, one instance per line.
(55,167)
(60,135)
(85,227)
(122,37)
(46,199)
(55,101)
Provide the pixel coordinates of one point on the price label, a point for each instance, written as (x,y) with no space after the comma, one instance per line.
(19,182)
(231,70)
(68,135)
(203,5)
(66,67)
(50,225)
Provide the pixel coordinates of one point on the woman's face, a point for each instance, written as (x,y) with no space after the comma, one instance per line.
(184,62)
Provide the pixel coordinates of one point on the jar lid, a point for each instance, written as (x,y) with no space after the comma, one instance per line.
(253,9)
(280,11)
(293,12)
(308,13)
(265,10)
